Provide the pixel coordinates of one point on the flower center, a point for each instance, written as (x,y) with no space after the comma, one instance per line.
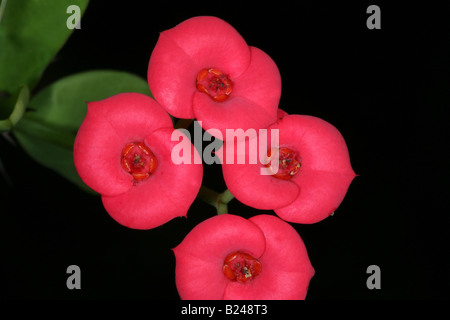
(138,160)
(288,165)
(241,267)
(215,84)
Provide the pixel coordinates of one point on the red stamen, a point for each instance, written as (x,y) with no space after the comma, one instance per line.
(138,160)
(240,266)
(214,83)
(288,165)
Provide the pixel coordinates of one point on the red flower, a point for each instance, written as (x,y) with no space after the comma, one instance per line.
(204,69)
(231,258)
(123,151)
(313,176)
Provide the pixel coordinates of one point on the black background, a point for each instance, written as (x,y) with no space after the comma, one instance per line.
(387,91)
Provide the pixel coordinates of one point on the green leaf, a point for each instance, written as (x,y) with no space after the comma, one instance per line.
(31,33)
(47,131)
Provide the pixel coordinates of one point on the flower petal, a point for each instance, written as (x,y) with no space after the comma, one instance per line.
(108,126)
(263,192)
(246,179)
(286,268)
(96,156)
(319,144)
(253,103)
(200,256)
(171,77)
(166,194)
(198,279)
(261,83)
(321,193)
(281,114)
(134,115)
(212,42)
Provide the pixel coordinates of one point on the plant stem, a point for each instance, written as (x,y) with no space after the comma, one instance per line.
(217,200)
(226,196)
(18,111)
(209,196)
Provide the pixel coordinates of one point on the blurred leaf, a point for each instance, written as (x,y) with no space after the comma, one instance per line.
(47,132)
(31,33)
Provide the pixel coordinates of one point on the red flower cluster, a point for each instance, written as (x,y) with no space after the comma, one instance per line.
(203,69)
